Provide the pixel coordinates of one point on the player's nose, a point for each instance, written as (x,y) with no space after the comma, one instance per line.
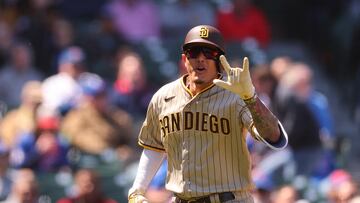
(201,57)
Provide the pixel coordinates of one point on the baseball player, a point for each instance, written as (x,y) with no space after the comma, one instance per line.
(198,122)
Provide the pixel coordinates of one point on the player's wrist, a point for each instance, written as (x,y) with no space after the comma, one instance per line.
(248,92)
(251,100)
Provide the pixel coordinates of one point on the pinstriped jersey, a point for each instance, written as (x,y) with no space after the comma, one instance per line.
(203,136)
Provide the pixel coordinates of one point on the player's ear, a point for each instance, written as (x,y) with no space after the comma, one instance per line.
(183,57)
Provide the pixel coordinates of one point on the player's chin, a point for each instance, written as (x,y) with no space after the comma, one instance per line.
(199,78)
(199,81)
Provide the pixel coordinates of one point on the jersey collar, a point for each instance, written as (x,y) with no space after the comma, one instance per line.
(183,83)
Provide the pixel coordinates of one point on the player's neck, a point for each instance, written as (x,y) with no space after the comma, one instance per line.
(196,88)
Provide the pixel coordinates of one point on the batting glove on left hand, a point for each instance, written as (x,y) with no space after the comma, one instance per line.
(238,80)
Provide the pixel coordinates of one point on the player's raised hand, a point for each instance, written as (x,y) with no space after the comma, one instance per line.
(238,80)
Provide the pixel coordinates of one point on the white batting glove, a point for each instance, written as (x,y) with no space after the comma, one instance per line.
(238,80)
(137,198)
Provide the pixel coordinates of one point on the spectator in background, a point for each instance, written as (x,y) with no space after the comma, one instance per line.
(317,102)
(22,119)
(341,186)
(78,13)
(309,135)
(25,188)
(95,126)
(87,189)
(299,121)
(243,20)
(286,194)
(61,92)
(134,20)
(63,37)
(279,65)
(189,13)
(269,166)
(16,73)
(131,90)
(264,82)
(43,149)
(101,41)
(5,179)
(262,192)
(34,24)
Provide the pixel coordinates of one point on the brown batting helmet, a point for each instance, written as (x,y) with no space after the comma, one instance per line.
(204,34)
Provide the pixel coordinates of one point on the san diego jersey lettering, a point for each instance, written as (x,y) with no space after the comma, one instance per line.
(198,121)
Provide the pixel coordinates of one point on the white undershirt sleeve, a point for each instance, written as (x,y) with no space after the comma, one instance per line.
(280,144)
(150,162)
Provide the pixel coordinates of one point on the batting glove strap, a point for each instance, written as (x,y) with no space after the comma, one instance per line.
(251,100)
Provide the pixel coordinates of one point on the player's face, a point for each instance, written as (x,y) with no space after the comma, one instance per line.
(200,63)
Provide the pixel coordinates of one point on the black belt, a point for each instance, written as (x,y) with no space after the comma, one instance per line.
(224,196)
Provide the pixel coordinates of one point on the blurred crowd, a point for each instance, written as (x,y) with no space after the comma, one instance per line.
(76,78)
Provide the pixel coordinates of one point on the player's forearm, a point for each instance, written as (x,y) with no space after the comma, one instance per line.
(264,120)
(149,163)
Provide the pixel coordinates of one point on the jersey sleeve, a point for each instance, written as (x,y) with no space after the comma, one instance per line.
(249,124)
(150,135)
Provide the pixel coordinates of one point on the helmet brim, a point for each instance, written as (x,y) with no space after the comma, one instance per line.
(202,42)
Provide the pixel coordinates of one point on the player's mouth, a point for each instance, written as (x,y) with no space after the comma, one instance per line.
(199,69)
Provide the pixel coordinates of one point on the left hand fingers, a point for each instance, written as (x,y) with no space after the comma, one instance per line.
(237,75)
(234,76)
(245,68)
(225,65)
